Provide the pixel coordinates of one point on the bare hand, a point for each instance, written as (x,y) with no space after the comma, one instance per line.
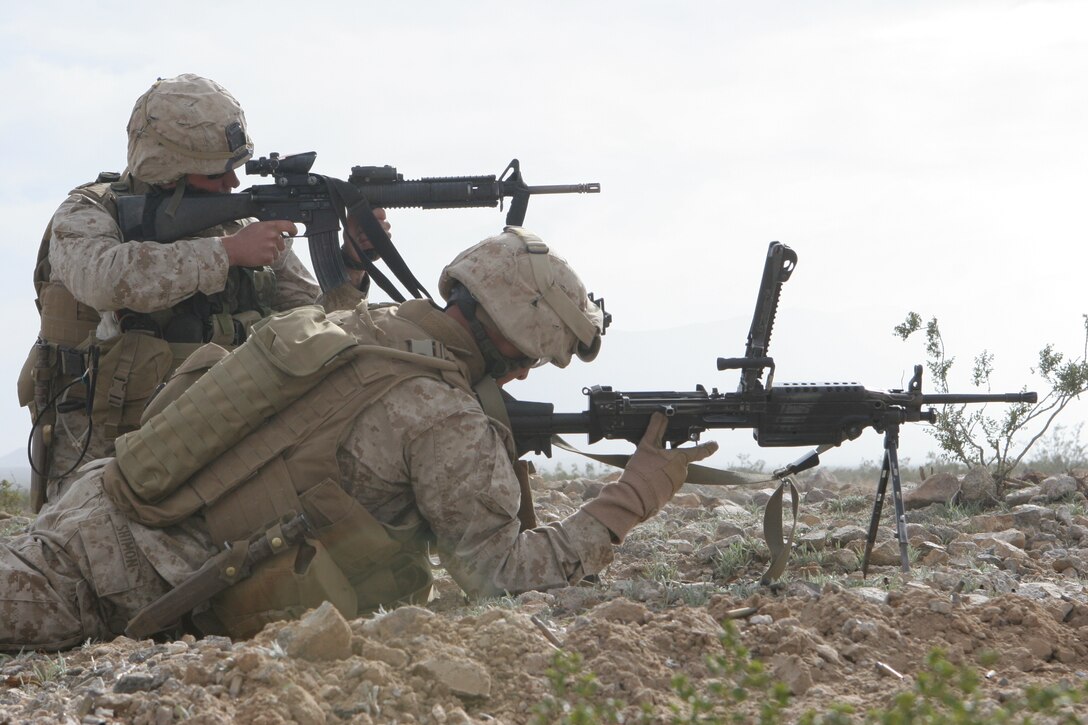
(258,244)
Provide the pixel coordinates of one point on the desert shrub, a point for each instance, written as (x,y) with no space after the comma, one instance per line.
(734,560)
(1060,451)
(966,433)
(13,499)
(574,699)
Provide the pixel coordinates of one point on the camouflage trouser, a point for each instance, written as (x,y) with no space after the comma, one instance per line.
(69,434)
(83,570)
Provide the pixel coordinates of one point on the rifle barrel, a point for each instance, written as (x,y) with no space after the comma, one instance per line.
(590,188)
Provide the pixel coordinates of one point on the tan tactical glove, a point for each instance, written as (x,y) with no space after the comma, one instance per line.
(653,475)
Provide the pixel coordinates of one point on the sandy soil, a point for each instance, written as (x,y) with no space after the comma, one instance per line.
(999,589)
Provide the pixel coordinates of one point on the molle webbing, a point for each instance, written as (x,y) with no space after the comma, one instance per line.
(239,462)
(238,502)
(220,431)
(64,319)
(284,358)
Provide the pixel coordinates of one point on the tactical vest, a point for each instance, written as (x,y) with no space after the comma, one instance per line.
(131,365)
(249,470)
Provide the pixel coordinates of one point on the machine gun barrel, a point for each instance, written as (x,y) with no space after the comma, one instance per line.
(961,399)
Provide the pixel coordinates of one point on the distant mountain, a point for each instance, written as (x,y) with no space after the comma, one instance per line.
(14,467)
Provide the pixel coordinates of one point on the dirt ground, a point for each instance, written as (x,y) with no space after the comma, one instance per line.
(1000,589)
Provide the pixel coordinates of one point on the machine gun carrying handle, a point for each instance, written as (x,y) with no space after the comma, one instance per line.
(745,363)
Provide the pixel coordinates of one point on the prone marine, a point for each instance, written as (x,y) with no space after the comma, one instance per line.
(376,427)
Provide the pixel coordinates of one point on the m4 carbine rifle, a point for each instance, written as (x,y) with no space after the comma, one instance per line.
(323,203)
(789,414)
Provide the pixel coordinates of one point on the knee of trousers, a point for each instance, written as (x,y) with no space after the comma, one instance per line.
(34,612)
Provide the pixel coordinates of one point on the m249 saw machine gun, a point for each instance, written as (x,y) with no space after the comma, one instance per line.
(323,203)
(786,414)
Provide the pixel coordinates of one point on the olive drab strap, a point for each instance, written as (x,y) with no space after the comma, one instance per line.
(697,474)
(491,400)
(772,531)
(490,396)
(116,386)
(709,476)
(526,509)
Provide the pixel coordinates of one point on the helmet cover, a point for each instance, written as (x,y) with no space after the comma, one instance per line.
(186,125)
(530,294)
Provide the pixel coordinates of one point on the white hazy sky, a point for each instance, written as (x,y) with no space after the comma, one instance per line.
(926,156)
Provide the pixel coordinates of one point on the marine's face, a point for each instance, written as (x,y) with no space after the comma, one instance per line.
(217,183)
(510,351)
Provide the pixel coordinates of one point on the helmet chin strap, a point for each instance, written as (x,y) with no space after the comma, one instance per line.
(175,198)
(496,364)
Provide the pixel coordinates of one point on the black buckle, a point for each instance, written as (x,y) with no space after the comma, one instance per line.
(73,363)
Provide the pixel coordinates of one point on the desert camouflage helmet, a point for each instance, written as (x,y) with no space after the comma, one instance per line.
(186,125)
(530,294)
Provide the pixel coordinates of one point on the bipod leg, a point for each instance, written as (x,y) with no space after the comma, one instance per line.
(891,455)
(889,472)
(878,507)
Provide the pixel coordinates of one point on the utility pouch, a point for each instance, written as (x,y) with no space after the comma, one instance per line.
(65,320)
(130,367)
(383,563)
(285,357)
(406,578)
(26,380)
(284,587)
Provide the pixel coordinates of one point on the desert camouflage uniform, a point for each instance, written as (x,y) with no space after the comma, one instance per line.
(425,451)
(83,570)
(88,258)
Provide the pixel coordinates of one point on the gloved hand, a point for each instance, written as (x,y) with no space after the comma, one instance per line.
(653,475)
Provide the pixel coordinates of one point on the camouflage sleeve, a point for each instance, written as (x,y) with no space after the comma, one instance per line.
(294,284)
(87,255)
(442,461)
(465,487)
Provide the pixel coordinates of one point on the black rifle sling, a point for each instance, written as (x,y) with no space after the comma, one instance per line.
(152,202)
(352,200)
(372,270)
